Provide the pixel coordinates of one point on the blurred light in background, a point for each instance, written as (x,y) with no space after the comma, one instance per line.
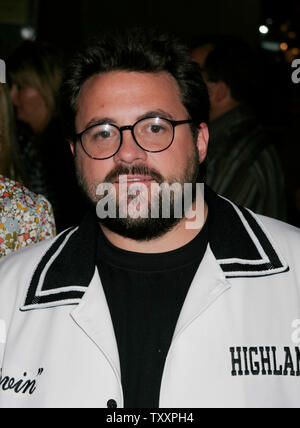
(284,46)
(28,33)
(263,29)
(271,46)
(284,28)
(295,51)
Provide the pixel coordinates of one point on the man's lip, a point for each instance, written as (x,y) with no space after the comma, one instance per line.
(134,179)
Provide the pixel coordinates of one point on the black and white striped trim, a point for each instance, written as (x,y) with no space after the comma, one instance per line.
(270,261)
(237,237)
(37,296)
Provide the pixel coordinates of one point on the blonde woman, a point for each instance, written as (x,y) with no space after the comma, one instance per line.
(35,74)
(10,164)
(25,217)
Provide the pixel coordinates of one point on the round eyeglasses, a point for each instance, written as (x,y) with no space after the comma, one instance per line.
(152,134)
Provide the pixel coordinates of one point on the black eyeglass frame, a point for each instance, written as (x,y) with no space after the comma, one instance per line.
(174,123)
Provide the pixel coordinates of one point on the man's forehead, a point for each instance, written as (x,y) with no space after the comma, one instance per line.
(119,78)
(118,90)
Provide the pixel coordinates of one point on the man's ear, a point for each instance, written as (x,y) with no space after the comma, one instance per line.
(202,141)
(221,91)
(72,147)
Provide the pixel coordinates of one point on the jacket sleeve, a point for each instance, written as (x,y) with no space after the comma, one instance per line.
(8,298)
(16,271)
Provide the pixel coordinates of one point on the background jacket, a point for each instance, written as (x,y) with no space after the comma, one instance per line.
(240,147)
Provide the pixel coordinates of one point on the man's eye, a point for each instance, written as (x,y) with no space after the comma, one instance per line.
(156,129)
(104,134)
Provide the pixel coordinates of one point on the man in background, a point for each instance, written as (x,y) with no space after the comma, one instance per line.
(243,164)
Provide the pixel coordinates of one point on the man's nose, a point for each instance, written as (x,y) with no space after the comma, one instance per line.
(129,151)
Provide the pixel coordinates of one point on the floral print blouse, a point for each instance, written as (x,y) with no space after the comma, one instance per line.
(25,218)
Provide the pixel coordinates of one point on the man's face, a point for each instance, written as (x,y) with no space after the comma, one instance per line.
(123,98)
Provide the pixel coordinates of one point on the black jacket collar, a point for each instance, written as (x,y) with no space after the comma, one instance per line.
(237,238)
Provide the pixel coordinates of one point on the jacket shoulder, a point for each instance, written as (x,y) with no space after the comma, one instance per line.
(286,236)
(17,270)
(279,227)
(17,266)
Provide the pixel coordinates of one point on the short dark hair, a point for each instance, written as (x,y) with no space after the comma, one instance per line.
(137,49)
(234,62)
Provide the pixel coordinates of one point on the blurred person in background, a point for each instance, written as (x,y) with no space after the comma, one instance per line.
(25,217)
(243,164)
(35,71)
(10,164)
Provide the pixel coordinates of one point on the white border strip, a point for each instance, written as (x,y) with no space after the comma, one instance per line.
(57,303)
(39,292)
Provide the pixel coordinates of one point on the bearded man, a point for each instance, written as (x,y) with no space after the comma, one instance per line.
(186,301)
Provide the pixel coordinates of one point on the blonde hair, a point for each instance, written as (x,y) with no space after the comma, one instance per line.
(37,65)
(10,165)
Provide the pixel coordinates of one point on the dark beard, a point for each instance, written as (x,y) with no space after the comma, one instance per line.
(142,229)
(146,229)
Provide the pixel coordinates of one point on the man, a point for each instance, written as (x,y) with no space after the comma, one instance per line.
(243,164)
(136,311)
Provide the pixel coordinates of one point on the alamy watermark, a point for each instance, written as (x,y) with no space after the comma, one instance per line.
(2,332)
(2,71)
(186,201)
(296,73)
(296,332)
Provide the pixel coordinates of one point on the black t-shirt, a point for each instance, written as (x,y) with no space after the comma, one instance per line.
(145,294)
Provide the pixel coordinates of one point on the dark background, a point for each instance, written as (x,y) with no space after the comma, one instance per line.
(68,24)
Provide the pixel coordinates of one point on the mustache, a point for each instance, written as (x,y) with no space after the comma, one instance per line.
(137,169)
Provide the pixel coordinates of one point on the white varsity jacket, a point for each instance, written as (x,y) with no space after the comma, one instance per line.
(236,343)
